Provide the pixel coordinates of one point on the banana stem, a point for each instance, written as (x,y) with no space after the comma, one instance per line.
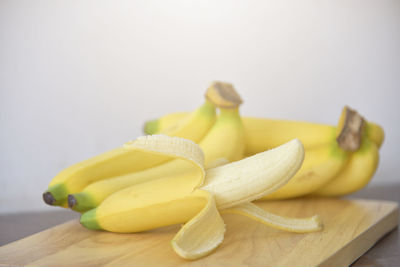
(351,128)
(223,95)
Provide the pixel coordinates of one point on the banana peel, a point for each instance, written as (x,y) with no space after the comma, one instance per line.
(198,198)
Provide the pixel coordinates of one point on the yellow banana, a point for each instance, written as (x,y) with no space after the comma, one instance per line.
(121,161)
(263,134)
(356,174)
(196,200)
(225,140)
(321,164)
(363,160)
(115,162)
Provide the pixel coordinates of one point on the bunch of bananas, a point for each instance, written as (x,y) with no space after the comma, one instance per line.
(196,165)
(338,160)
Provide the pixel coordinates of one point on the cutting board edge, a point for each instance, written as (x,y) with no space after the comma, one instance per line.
(371,236)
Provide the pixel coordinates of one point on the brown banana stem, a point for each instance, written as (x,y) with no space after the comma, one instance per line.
(223,95)
(350,135)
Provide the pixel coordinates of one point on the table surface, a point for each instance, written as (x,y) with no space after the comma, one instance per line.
(386,252)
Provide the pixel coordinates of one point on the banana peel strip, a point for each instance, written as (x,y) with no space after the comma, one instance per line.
(175,147)
(201,234)
(165,145)
(296,225)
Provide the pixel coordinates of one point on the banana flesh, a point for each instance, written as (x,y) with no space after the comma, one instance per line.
(181,199)
(257,175)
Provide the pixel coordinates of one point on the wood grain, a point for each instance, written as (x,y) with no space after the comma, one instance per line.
(351,227)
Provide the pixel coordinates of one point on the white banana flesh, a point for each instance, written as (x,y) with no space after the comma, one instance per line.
(253,177)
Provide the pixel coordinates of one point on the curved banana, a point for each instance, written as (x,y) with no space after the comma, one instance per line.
(263,134)
(363,160)
(320,166)
(112,163)
(323,164)
(356,174)
(183,199)
(121,161)
(225,140)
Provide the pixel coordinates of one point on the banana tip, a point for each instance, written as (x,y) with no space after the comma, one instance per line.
(71,201)
(150,126)
(48,198)
(88,220)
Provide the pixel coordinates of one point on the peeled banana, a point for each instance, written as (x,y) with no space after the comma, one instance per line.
(196,199)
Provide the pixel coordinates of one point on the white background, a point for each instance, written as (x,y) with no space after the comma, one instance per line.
(80,77)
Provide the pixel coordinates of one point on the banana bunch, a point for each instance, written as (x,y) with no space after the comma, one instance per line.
(223,142)
(194,166)
(158,180)
(84,185)
(338,160)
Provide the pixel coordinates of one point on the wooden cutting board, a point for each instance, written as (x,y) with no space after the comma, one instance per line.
(351,227)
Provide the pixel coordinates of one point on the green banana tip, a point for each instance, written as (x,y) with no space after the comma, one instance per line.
(88,220)
(150,127)
(80,202)
(55,195)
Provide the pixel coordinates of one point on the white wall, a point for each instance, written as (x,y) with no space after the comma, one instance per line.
(80,77)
